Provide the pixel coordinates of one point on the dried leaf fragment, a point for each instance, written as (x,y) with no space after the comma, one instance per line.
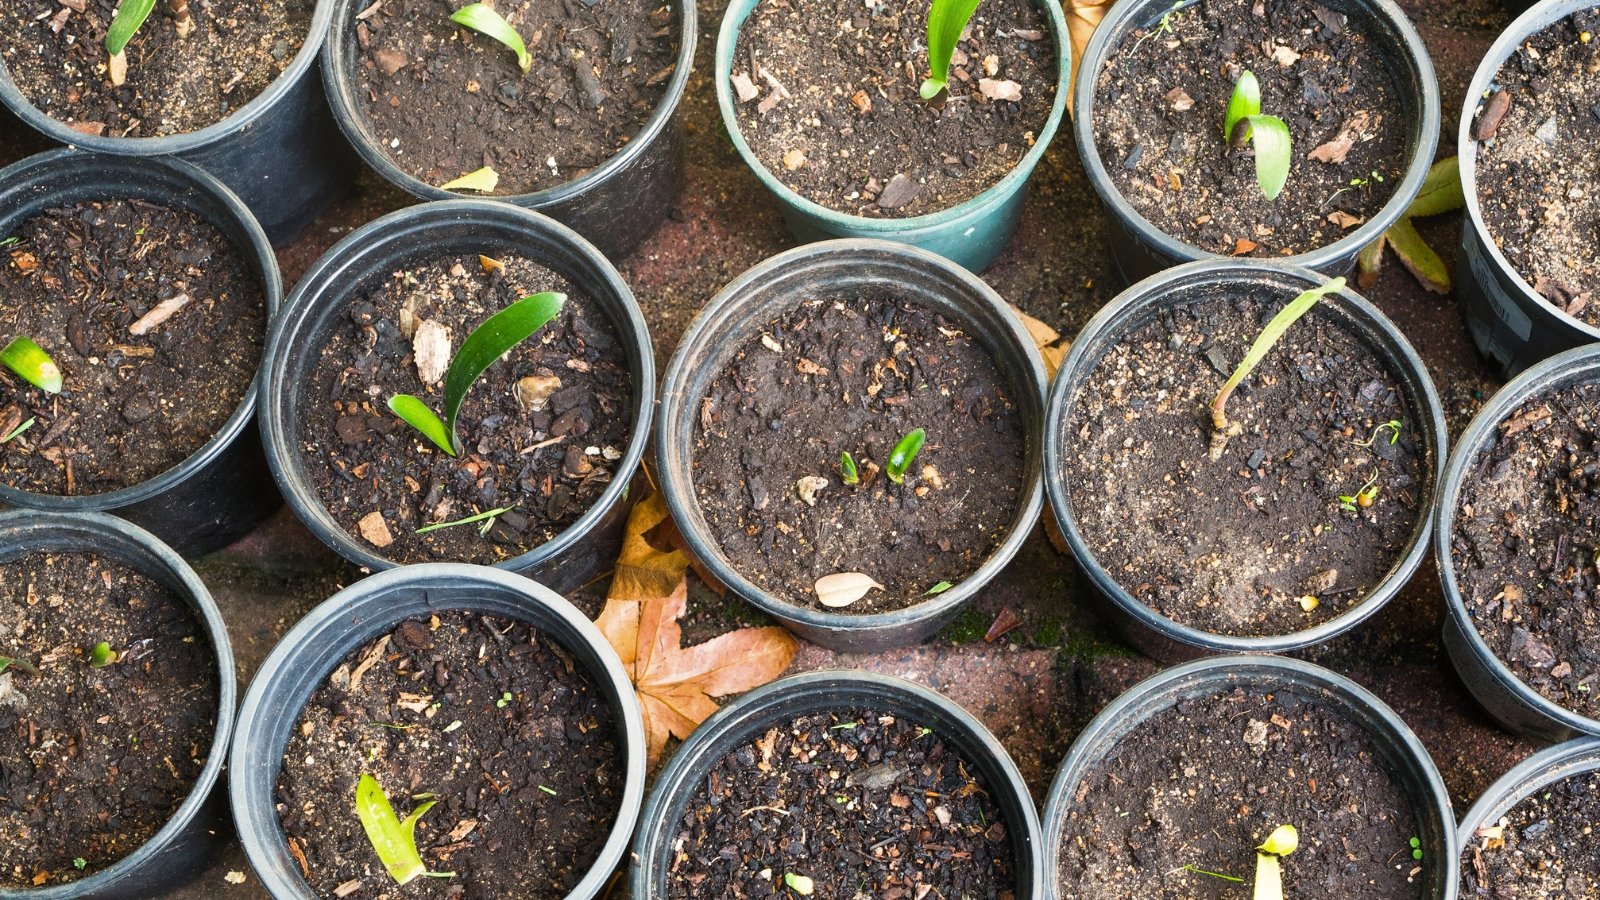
(844,588)
(744,88)
(1000,90)
(431,347)
(375,530)
(159,313)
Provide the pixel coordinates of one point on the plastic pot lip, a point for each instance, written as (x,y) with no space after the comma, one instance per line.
(337,75)
(687,766)
(238,121)
(1126,15)
(1538,17)
(1247,669)
(907,228)
(258,250)
(333,617)
(1408,367)
(707,330)
(1582,363)
(95,531)
(1552,764)
(286,461)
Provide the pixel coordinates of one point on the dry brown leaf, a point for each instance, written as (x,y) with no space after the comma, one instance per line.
(1343,219)
(1046,339)
(1337,149)
(1243,246)
(651,564)
(1000,90)
(844,588)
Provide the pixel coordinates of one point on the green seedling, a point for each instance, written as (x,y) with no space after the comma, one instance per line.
(80,863)
(18,431)
(1268,134)
(800,884)
(946,20)
(1394,434)
(1264,343)
(1199,871)
(102,655)
(487,518)
(1363,498)
(126,23)
(903,453)
(9,662)
(847,468)
(30,363)
(846,726)
(924,732)
(485,21)
(504,701)
(1162,27)
(939,588)
(548,790)
(394,840)
(1269,870)
(486,345)
(1356,184)
(1416,848)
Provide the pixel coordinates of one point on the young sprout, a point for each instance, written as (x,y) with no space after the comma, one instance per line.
(1355,183)
(30,363)
(548,790)
(126,23)
(504,701)
(946,20)
(1394,434)
(7,662)
(1264,342)
(1363,498)
(1416,848)
(485,21)
(903,453)
(102,655)
(847,468)
(800,884)
(1269,873)
(18,431)
(487,518)
(1199,871)
(394,840)
(1162,27)
(1269,134)
(939,588)
(487,343)
(80,863)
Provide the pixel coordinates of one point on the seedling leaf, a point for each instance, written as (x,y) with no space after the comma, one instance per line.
(125,24)
(1264,342)
(903,453)
(102,655)
(1244,103)
(1441,191)
(485,21)
(484,181)
(939,588)
(419,416)
(1269,872)
(480,517)
(847,469)
(394,841)
(946,20)
(1418,257)
(800,884)
(30,363)
(7,662)
(17,432)
(1269,134)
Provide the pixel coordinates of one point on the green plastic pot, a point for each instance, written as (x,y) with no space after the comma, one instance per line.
(971,233)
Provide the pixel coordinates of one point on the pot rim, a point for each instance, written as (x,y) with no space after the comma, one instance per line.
(1542,769)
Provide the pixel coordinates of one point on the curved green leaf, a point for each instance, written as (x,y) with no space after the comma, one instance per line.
(903,453)
(419,416)
(490,341)
(1268,337)
(130,15)
(1245,102)
(1270,136)
(1441,191)
(395,841)
(946,20)
(29,361)
(484,20)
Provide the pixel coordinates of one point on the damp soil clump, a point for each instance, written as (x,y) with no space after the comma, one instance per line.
(157,322)
(1161,100)
(1526,545)
(854,376)
(488,716)
(1238,545)
(95,761)
(827,97)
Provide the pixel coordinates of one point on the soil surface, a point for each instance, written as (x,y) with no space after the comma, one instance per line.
(444,101)
(1161,101)
(1544,849)
(81,281)
(863,804)
(1526,546)
(1203,783)
(489,716)
(1231,547)
(542,429)
(175,84)
(854,376)
(93,762)
(1538,174)
(827,97)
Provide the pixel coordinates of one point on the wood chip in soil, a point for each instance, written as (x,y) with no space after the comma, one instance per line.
(1231,546)
(77,280)
(528,785)
(93,762)
(853,376)
(1543,849)
(543,429)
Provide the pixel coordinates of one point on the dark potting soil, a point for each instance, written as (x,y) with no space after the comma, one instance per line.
(1200,785)
(1161,101)
(542,429)
(93,762)
(863,804)
(175,84)
(489,716)
(444,101)
(1544,849)
(1526,545)
(77,281)
(1538,175)
(1231,547)
(854,376)
(827,97)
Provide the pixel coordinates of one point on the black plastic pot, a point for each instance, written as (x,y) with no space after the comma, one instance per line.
(280,152)
(1146,629)
(616,205)
(1405,757)
(367,258)
(187,845)
(301,662)
(1511,323)
(1550,765)
(784,700)
(768,291)
(1140,249)
(1510,701)
(221,492)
